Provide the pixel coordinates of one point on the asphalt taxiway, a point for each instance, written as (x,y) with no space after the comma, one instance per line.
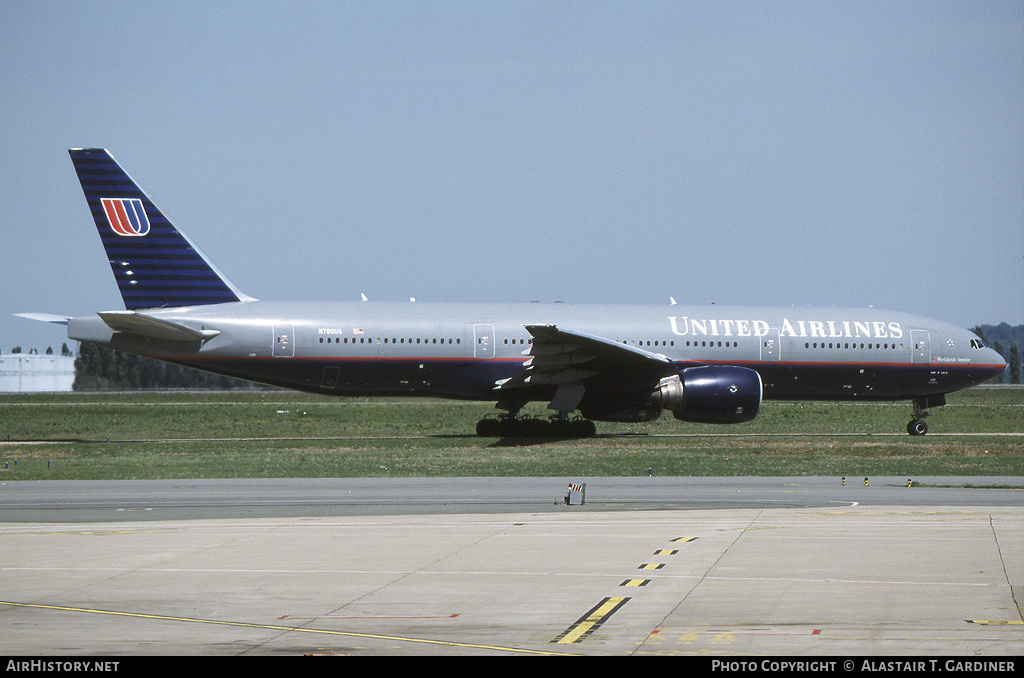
(646,566)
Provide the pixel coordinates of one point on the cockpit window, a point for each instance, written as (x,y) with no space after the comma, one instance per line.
(977,343)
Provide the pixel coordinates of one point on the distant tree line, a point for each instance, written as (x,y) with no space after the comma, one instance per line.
(64,350)
(103,369)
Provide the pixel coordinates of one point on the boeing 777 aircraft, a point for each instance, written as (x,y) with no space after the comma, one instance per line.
(609,363)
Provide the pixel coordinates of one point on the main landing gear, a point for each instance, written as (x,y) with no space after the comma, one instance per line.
(512,426)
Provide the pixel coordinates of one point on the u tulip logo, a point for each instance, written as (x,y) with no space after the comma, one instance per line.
(126,216)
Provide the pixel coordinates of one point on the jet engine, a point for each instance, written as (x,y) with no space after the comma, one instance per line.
(712,394)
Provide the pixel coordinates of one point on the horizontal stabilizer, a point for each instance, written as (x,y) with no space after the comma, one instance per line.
(131,322)
(45,317)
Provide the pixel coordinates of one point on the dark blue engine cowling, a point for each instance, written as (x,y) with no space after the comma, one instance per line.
(712,394)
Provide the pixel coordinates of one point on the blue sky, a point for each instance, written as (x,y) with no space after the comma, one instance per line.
(791,153)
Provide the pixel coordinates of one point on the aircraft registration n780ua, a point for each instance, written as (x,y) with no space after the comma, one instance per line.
(711,364)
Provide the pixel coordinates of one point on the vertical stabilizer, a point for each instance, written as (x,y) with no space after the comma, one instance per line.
(155,265)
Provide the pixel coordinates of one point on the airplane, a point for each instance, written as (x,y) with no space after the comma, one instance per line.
(618,363)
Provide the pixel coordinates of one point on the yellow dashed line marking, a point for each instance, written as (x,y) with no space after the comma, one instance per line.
(591,621)
(601,612)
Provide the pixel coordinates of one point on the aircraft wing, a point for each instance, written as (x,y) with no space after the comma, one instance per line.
(574,361)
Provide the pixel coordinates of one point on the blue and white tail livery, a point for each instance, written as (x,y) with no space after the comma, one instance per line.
(155,265)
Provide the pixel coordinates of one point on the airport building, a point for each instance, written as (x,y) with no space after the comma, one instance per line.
(23,373)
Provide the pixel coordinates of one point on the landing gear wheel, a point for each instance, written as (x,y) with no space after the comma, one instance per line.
(488,428)
(584,428)
(572,428)
(530,427)
(917,427)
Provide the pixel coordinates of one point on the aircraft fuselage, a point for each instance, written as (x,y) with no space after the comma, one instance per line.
(463,350)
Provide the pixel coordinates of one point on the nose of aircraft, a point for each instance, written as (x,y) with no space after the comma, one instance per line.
(988,362)
(997,361)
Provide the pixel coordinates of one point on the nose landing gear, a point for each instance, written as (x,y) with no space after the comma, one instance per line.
(917,425)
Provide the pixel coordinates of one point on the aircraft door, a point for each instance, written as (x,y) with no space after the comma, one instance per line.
(770,346)
(330,378)
(483,341)
(922,347)
(284,341)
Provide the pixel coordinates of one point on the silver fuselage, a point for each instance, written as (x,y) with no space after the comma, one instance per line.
(463,350)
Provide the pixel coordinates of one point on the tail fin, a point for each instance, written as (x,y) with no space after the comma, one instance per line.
(155,265)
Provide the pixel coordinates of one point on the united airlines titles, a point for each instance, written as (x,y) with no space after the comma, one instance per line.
(826,329)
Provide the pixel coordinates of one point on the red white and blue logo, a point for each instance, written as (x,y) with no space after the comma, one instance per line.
(126,216)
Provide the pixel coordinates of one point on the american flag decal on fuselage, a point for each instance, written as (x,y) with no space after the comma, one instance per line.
(126,216)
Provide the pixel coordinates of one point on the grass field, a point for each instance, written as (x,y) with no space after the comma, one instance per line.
(262,434)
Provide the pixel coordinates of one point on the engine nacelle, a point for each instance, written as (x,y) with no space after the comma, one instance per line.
(713,394)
